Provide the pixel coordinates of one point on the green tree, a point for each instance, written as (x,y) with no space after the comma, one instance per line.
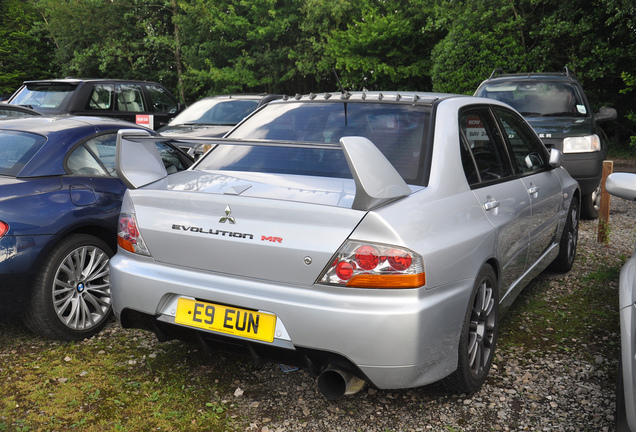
(239,46)
(373,44)
(24,51)
(113,39)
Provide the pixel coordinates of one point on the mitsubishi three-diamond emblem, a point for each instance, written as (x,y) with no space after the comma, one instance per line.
(227,217)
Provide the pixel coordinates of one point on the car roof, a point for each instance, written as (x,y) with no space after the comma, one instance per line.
(406,97)
(566,75)
(86,80)
(63,133)
(48,125)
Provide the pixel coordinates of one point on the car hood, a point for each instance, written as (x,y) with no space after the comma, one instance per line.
(246,224)
(561,127)
(184,131)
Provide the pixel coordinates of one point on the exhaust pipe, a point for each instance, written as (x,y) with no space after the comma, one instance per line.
(333,383)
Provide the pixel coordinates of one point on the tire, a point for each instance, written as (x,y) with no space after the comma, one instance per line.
(71,299)
(569,240)
(591,204)
(621,410)
(479,335)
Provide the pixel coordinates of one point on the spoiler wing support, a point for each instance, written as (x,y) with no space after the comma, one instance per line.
(377,181)
(138,162)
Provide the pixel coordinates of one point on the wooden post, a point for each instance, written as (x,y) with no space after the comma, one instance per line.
(603,214)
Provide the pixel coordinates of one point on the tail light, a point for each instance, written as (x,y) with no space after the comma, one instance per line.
(371,265)
(128,236)
(4,228)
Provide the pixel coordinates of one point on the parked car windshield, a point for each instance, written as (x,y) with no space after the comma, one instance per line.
(16,149)
(532,98)
(45,96)
(399,131)
(216,112)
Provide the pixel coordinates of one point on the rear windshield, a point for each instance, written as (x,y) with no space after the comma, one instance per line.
(532,98)
(16,149)
(399,131)
(44,96)
(216,112)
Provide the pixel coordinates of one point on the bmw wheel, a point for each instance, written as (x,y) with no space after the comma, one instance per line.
(479,335)
(71,294)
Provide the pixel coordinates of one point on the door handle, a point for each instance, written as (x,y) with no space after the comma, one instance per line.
(491,204)
(533,190)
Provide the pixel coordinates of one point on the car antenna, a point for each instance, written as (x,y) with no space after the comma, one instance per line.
(344,96)
(338,81)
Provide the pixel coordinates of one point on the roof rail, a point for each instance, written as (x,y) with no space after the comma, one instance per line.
(567,72)
(495,72)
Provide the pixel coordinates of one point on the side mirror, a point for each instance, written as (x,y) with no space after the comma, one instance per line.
(622,185)
(605,114)
(555,157)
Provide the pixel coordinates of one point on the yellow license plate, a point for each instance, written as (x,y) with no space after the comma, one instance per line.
(225,319)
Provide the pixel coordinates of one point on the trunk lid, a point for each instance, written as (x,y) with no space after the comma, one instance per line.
(280,228)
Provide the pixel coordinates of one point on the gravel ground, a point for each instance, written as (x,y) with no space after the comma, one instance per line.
(547,390)
(529,388)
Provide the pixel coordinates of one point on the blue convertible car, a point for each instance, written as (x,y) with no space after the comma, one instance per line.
(59,203)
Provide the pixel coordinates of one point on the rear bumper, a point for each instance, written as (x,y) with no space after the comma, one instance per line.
(394,338)
(19,259)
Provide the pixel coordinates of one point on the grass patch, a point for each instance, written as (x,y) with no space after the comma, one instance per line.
(559,313)
(108,383)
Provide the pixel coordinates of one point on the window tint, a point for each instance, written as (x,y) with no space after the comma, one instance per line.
(44,95)
(529,154)
(172,159)
(82,162)
(483,152)
(397,130)
(130,98)
(9,113)
(538,98)
(160,100)
(16,149)
(101,97)
(95,157)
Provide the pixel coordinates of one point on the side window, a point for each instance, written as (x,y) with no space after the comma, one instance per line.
(129,98)
(103,148)
(483,152)
(529,154)
(160,100)
(82,162)
(171,159)
(101,97)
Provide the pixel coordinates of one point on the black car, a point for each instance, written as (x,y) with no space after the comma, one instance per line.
(142,102)
(8,111)
(556,107)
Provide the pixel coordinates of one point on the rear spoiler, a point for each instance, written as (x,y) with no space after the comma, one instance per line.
(138,164)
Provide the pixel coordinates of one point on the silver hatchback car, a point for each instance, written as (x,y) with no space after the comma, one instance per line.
(368,237)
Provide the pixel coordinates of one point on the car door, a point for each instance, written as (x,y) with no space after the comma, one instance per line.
(502,195)
(531,161)
(161,104)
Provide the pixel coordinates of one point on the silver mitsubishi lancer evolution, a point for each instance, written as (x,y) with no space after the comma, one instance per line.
(367,237)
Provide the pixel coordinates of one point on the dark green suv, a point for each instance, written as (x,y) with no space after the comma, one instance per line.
(556,107)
